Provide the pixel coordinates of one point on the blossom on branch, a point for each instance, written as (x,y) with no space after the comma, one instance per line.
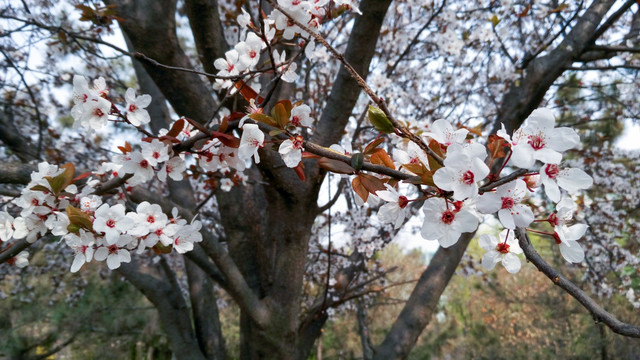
(506,200)
(538,139)
(571,179)
(445,222)
(463,168)
(395,210)
(501,251)
(136,114)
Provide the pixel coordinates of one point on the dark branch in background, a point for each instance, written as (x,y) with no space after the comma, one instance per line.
(235,282)
(541,72)
(610,21)
(11,137)
(414,41)
(598,313)
(32,96)
(363,327)
(15,173)
(14,250)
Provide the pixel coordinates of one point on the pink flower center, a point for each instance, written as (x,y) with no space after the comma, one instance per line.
(252,54)
(414,161)
(467,178)
(133,108)
(151,219)
(169,169)
(403,201)
(507,203)
(97,112)
(295,120)
(156,155)
(536,142)
(83,248)
(255,143)
(295,2)
(35,202)
(158,232)
(144,164)
(230,67)
(110,223)
(552,171)
(553,220)
(113,249)
(175,242)
(503,248)
(448,216)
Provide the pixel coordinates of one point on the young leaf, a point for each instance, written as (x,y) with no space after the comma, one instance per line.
(126,148)
(176,128)
(335,166)
(359,188)
(279,113)
(247,92)
(263,118)
(300,171)
(379,120)
(372,145)
(381,157)
(371,183)
(496,146)
(226,139)
(78,219)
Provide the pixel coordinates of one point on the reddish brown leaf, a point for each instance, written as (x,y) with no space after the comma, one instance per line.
(525,12)
(300,171)
(372,145)
(197,125)
(126,148)
(359,188)
(226,139)
(335,166)
(371,183)
(381,157)
(176,128)
(263,118)
(496,146)
(247,92)
(81,176)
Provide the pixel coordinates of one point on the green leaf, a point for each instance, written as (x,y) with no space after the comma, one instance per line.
(78,219)
(63,180)
(379,120)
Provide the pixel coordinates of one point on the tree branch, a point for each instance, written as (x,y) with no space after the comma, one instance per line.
(15,172)
(598,313)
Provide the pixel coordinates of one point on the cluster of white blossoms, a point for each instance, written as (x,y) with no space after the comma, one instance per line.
(52,203)
(464,170)
(245,55)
